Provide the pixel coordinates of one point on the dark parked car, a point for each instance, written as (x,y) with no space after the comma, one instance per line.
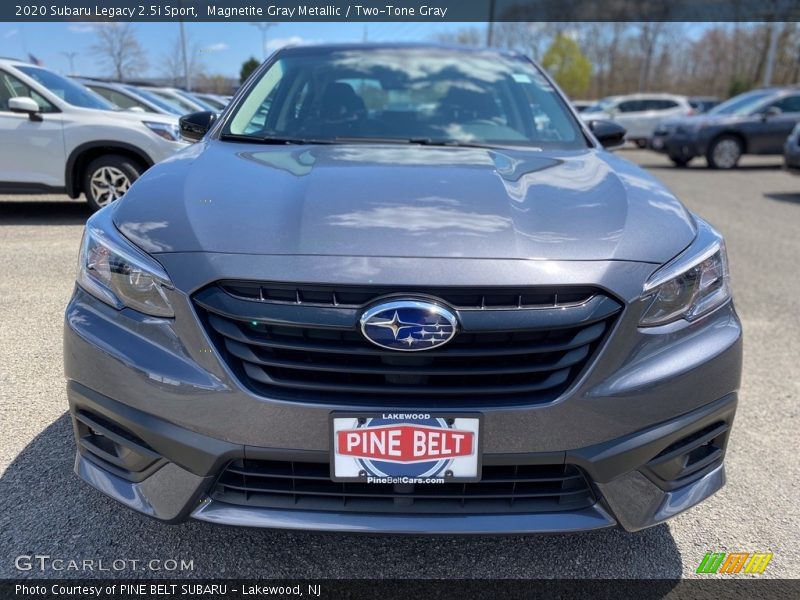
(755,122)
(703,104)
(791,151)
(401,288)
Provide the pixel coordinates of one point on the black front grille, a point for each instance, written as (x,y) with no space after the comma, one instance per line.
(307,486)
(358,296)
(317,353)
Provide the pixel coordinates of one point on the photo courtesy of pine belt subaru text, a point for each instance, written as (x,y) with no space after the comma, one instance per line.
(403,289)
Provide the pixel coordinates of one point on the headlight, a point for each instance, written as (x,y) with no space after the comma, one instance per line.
(168,131)
(692,285)
(114,271)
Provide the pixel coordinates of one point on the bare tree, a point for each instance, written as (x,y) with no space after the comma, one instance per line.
(118,47)
(466,36)
(172,63)
(711,59)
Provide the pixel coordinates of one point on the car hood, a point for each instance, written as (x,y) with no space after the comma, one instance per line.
(129,116)
(408,201)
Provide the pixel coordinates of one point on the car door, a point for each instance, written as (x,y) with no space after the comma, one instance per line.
(773,129)
(653,110)
(627,114)
(32,152)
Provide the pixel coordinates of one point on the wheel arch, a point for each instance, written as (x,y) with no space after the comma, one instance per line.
(85,153)
(729,133)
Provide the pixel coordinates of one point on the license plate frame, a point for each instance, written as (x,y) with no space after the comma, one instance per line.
(457,469)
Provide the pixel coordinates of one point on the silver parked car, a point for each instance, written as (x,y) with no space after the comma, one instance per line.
(639,114)
(377,295)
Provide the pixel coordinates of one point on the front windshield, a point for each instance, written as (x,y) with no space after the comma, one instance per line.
(216,103)
(742,104)
(423,95)
(198,101)
(69,91)
(602,105)
(153,99)
(183,105)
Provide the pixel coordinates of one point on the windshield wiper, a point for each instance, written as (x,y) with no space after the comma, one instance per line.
(268,139)
(455,143)
(422,141)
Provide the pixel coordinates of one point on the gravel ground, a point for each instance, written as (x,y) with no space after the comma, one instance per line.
(45,510)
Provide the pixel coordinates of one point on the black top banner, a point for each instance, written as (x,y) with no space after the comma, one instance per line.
(401,10)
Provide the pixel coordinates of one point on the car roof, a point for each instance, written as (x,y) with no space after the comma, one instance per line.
(15,62)
(639,95)
(98,82)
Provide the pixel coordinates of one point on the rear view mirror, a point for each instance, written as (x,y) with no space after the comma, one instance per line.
(772,111)
(195,125)
(23,104)
(608,133)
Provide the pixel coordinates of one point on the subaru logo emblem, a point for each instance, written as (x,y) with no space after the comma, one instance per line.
(408,325)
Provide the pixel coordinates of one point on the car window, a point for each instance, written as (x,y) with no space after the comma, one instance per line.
(664,104)
(406,94)
(11,87)
(603,105)
(185,106)
(121,100)
(153,99)
(742,104)
(788,104)
(630,106)
(69,91)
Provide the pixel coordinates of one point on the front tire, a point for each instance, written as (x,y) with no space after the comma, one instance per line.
(641,143)
(679,161)
(107,178)
(724,152)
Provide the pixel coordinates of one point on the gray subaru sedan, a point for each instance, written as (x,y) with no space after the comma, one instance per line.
(404,289)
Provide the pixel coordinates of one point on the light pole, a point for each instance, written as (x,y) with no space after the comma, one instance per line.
(770,62)
(187,78)
(263,28)
(71,58)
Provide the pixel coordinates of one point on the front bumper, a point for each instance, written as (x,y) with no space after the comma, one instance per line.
(678,145)
(625,473)
(157,388)
(791,157)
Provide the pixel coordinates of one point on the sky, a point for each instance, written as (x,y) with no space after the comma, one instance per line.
(225,46)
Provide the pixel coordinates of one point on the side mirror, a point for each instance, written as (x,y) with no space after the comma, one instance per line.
(23,104)
(608,133)
(194,126)
(772,111)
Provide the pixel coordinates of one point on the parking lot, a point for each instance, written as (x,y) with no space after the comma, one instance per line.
(45,510)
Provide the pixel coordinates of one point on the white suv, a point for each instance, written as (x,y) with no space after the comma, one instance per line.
(639,114)
(58,136)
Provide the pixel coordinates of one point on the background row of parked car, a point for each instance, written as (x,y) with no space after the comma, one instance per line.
(95,137)
(80,135)
(149,98)
(761,121)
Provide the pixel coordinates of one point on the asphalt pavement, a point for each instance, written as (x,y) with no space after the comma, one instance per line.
(46,510)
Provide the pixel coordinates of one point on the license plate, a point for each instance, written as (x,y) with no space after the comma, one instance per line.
(406,448)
